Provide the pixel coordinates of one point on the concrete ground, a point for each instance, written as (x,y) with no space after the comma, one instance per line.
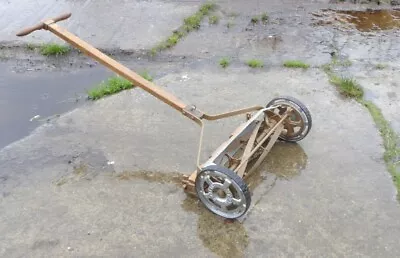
(104,179)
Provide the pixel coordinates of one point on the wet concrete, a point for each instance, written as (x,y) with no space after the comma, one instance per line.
(47,95)
(107,185)
(125,24)
(336,185)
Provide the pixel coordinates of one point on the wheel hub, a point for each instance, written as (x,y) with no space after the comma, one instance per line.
(221,195)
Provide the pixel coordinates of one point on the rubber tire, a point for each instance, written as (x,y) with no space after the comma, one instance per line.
(231,175)
(302,107)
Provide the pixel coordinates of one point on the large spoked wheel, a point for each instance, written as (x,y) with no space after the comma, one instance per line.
(222,191)
(299,122)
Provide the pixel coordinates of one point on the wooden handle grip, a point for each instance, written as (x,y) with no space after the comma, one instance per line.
(30,30)
(41,25)
(62,17)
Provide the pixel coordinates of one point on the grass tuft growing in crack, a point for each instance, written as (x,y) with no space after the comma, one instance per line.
(347,86)
(257,18)
(213,19)
(53,49)
(295,64)
(380,66)
(114,85)
(190,24)
(224,62)
(390,143)
(264,17)
(254,63)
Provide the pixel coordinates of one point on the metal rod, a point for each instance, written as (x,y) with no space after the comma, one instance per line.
(244,159)
(232,113)
(249,146)
(267,149)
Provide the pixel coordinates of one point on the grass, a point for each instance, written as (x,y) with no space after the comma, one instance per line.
(350,88)
(213,19)
(190,24)
(263,18)
(380,66)
(390,141)
(347,86)
(224,62)
(254,63)
(114,85)
(344,63)
(255,19)
(53,49)
(296,64)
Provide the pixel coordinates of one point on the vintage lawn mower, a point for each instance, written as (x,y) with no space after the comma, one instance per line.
(218,182)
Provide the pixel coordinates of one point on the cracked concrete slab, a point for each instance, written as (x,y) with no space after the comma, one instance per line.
(101,180)
(341,203)
(106,24)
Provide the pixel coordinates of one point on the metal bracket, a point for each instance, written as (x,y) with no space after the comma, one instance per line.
(192,112)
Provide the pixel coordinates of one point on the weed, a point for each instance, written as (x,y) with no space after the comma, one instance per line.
(147,76)
(254,63)
(296,64)
(113,85)
(254,19)
(207,7)
(214,19)
(53,49)
(345,63)
(189,24)
(350,88)
(380,66)
(192,22)
(224,62)
(390,141)
(264,17)
(172,40)
(347,86)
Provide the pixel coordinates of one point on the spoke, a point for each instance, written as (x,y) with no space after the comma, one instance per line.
(236,201)
(226,184)
(290,130)
(208,180)
(282,110)
(208,195)
(295,123)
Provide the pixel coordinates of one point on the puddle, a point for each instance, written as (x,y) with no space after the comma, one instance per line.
(39,94)
(370,20)
(229,238)
(285,161)
(153,177)
(373,20)
(225,238)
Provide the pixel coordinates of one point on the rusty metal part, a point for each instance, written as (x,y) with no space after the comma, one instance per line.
(250,144)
